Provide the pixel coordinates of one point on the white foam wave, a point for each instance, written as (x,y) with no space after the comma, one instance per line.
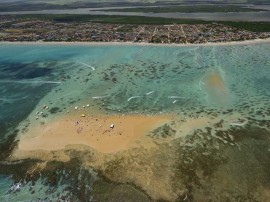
(133,97)
(239,124)
(149,93)
(30,81)
(93,68)
(12,99)
(176,97)
(100,97)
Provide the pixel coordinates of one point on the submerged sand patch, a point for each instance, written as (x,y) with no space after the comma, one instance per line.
(216,89)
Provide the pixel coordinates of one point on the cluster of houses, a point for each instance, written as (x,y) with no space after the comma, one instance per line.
(20,29)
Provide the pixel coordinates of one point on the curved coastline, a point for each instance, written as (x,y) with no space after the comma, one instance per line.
(246,42)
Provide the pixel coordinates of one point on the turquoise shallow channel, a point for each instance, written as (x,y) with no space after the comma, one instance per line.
(191,81)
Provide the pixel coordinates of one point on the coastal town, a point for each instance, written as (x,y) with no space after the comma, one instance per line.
(15,29)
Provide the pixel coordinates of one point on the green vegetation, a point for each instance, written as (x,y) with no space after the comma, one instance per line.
(250,26)
(113,19)
(188,9)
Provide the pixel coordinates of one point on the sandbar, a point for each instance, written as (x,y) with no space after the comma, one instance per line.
(128,131)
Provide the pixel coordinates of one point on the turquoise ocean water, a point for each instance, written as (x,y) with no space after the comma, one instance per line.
(133,79)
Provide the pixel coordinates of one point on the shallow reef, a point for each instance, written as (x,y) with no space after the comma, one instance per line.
(199,121)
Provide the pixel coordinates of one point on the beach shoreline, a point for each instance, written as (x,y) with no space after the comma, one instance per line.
(230,43)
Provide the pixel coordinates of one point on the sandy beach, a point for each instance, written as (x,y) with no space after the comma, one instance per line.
(246,42)
(106,134)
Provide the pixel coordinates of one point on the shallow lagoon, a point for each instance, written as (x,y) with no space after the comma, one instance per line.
(228,83)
